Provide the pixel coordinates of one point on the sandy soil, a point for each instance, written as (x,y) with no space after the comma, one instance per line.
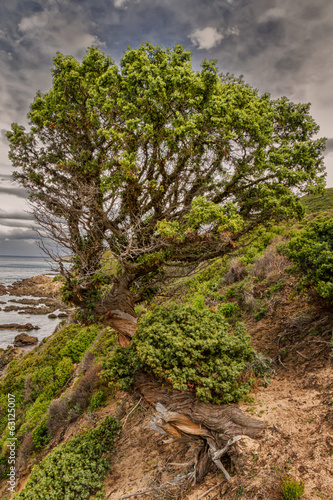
(296,404)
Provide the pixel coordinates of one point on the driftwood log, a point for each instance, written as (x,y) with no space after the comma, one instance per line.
(209,430)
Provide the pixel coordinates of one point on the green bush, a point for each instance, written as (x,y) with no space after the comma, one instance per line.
(291,489)
(188,348)
(73,470)
(311,253)
(229,309)
(97,400)
(40,376)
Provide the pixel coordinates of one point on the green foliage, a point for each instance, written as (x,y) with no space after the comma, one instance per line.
(320,202)
(40,376)
(262,365)
(229,309)
(163,143)
(189,348)
(74,470)
(311,253)
(76,347)
(258,315)
(291,488)
(198,301)
(40,435)
(97,400)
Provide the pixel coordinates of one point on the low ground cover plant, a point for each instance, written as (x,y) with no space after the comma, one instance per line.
(39,377)
(190,349)
(291,488)
(75,469)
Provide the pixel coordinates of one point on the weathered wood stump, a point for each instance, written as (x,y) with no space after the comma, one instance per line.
(209,430)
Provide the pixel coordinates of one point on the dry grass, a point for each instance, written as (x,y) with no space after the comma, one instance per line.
(271,265)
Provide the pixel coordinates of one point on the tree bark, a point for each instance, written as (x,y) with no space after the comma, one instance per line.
(210,430)
(117,309)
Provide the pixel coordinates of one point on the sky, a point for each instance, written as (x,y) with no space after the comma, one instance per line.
(280,46)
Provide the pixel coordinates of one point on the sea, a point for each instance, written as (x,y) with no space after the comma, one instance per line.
(17,268)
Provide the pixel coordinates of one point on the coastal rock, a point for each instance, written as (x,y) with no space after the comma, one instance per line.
(49,302)
(11,308)
(8,355)
(38,286)
(52,316)
(37,310)
(3,290)
(17,326)
(62,315)
(23,339)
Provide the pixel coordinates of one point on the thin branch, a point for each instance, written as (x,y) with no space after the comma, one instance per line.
(208,491)
(132,411)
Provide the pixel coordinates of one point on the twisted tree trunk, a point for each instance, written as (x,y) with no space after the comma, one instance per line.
(117,309)
(210,430)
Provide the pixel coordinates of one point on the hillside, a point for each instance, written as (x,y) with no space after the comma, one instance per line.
(64,393)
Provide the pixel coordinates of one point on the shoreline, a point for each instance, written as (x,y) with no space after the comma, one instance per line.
(35,301)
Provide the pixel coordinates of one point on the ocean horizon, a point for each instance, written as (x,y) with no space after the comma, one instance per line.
(17,267)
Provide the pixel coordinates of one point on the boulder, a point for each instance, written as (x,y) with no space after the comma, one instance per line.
(18,326)
(52,316)
(62,315)
(23,339)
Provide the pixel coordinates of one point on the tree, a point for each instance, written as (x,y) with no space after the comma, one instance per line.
(163,166)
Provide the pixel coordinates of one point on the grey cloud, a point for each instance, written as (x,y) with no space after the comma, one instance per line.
(23,216)
(329,146)
(19,192)
(19,234)
(22,223)
(3,137)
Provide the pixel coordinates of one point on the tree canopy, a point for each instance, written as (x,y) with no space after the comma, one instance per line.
(162,165)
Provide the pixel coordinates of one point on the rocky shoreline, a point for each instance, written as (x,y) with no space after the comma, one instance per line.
(46,302)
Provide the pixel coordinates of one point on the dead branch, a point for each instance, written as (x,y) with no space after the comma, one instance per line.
(209,430)
(208,491)
(135,407)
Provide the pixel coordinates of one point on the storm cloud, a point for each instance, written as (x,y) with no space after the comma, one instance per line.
(284,48)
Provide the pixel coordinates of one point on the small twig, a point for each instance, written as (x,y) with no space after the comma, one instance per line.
(284,366)
(186,464)
(285,335)
(135,494)
(302,355)
(208,491)
(132,411)
(275,428)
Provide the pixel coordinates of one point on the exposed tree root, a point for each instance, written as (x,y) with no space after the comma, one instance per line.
(209,430)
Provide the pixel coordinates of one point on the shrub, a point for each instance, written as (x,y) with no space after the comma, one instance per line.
(262,365)
(40,376)
(188,348)
(40,435)
(260,313)
(236,272)
(97,400)
(291,488)
(270,265)
(74,469)
(311,253)
(70,407)
(229,309)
